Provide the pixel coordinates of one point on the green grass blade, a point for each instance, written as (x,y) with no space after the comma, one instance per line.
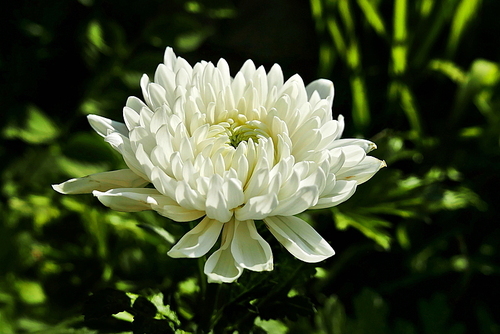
(436,22)
(399,47)
(465,13)
(372,16)
(338,39)
(360,103)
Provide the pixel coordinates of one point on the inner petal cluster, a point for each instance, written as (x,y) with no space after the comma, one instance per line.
(243,130)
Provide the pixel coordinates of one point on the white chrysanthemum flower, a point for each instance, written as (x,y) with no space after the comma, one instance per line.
(231,150)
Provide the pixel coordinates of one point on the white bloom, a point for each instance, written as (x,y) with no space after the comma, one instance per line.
(231,150)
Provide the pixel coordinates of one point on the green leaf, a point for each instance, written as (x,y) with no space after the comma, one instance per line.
(30,292)
(361,107)
(271,326)
(448,68)
(372,16)
(465,13)
(400,48)
(161,232)
(38,129)
(369,226)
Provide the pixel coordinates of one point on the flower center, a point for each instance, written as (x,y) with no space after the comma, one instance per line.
(241,129)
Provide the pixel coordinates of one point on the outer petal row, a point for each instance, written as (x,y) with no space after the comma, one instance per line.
(140,199)
(123,178)
(221,266)
(199,240)
(299,238)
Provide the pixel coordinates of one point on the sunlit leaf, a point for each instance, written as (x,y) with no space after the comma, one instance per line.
(402,93)
(191,41)
(337,36)
(448,68)
(156,230)
(361,111)
(38,128)
(372,15)
(466,11)
(402,237)
(426,7)
(371,227)
(271,326)
(30,292)
(400,17)
(399,47)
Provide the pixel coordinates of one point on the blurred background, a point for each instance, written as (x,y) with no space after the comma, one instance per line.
(417,246)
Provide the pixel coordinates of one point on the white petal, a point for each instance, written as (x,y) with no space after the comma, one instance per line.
(299,238)
(188,197)
(340,119)
(135,104)
(128,199)
(104,126)
(131,117)
(304,198)
(233,192)
(363,171)
(169,208)
(216,205)
(221,266)
(363,143)
(353,155)
(275,77)
(123,178)
(199,240)
(121,143)
(324,88)
(249,249)
(169,58)
(340,193)
(177,213)
(258,207)
(248,69)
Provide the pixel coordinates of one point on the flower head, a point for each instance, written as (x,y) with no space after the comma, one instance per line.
(233,151)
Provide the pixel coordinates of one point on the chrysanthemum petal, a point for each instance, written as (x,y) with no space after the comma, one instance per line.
(340,193)
(299,238)
(216,204)
(257,207)
(363,143)
(363,171)
(221,266)
(128,199)
(324,88)
(121,143)
(123,178)
(199,240)
(104,126)
(170,209)
(303,199)
(249,249)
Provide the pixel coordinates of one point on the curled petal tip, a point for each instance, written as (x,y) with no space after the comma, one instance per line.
(58,188)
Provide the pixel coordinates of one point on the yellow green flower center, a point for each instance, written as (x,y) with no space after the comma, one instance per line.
(241,129)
